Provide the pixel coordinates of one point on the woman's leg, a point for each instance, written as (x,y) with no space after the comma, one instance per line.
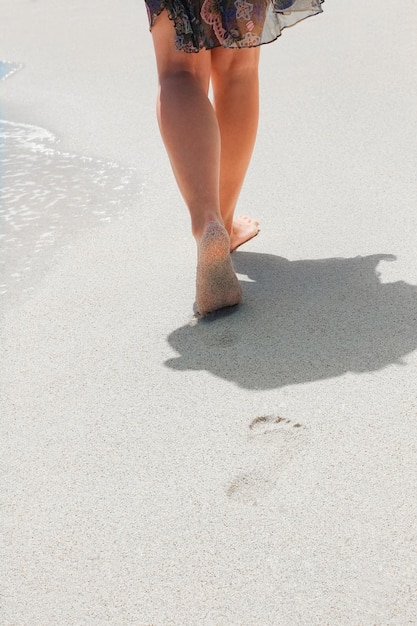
(234,75)
(188,123)
(191,135)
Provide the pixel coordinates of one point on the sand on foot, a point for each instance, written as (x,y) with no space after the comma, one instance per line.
(217,284)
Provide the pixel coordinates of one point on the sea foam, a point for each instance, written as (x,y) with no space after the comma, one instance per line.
(48,196)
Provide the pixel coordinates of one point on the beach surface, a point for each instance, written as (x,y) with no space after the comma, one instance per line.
(258,467)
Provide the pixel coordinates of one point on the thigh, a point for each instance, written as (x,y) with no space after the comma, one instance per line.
(171,61)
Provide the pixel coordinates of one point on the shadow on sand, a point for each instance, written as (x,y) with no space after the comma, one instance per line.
(302,321)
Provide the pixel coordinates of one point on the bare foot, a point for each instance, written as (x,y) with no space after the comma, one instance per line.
(217,284)
(243,229)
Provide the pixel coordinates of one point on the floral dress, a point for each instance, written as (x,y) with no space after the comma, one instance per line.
(230,23)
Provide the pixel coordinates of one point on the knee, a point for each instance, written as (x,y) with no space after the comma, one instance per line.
(234,64)
(183,78)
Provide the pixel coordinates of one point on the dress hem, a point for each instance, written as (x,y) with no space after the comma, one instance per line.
(200,42)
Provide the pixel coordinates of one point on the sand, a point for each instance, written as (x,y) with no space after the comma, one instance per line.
(254,468)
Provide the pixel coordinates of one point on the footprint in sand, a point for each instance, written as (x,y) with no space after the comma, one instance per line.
(289,439)
(271,424)
(251,488)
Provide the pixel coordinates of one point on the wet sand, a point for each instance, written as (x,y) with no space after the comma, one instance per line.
(257,467)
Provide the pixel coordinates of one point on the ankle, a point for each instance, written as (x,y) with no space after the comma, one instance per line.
(227,219)
(199,226)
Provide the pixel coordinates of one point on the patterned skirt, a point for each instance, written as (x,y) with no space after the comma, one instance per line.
(230,23)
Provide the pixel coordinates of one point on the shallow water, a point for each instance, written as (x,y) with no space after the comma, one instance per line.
(48,197)
(8,68)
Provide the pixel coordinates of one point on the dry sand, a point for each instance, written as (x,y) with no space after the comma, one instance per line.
(257,468)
